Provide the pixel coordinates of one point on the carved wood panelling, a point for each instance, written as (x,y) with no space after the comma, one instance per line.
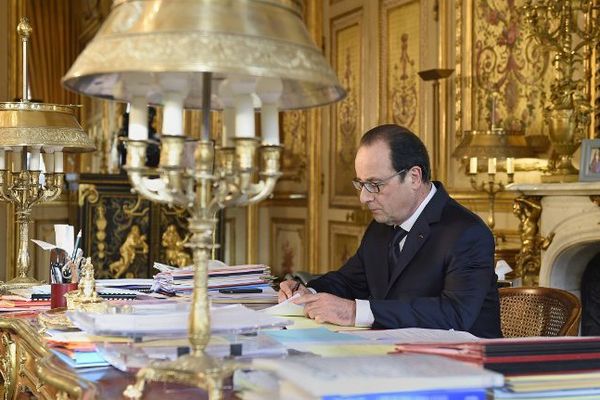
(399,63)
(288,245)
(344,239)
(346,117)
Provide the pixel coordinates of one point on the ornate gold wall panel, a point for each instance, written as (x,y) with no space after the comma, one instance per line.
(495,54)
(294,129)
(399,63)
(288,245)
(346,116)
(344,239)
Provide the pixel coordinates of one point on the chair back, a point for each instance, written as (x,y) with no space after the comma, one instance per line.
(538,311)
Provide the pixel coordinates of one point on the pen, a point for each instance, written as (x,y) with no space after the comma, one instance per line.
(77,240)
(240,290)
(296,286)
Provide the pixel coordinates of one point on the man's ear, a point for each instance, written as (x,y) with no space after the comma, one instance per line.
(416,175)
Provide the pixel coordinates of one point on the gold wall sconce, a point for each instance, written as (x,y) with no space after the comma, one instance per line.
(30,131)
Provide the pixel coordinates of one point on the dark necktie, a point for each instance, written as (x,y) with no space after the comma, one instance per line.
(394,250)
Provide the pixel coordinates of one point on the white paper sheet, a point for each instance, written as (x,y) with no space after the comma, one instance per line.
(286,308)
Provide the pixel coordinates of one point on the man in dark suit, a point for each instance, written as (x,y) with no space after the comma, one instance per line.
(425,261)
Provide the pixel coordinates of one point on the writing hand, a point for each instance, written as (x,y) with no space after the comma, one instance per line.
(288,288)
(325,307)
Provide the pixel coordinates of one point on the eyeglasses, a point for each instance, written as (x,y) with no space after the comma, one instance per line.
(373,187)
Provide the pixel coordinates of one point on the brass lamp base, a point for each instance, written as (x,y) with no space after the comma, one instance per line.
(198,370)
(19,283)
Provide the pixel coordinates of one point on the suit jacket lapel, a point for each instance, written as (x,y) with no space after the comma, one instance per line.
(420,231)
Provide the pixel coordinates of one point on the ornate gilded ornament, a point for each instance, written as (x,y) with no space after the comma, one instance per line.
(101,224)
(87,193)
(85,298)
(174,247)
(134,243)
(8,364)
(570,29)
(528,209)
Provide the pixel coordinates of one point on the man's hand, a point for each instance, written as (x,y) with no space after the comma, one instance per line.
(325,307)
(290,287)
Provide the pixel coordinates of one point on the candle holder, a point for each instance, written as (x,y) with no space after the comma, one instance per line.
(29,131)
(492,145)
(491,187)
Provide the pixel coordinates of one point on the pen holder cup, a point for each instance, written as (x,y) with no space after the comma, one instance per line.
(57,294)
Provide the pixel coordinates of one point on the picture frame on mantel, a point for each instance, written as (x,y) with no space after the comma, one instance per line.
(589,165)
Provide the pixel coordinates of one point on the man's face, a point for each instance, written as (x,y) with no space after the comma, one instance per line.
(397,200)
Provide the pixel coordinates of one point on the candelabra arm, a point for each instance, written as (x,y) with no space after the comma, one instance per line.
(54,189)
(4,193)
(271,156)
(152,189)
(264,188)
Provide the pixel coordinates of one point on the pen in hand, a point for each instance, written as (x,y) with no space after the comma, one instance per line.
(296,287)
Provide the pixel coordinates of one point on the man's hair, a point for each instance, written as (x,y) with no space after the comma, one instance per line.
(406,149)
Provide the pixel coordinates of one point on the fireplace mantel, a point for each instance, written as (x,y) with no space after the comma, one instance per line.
(562,226)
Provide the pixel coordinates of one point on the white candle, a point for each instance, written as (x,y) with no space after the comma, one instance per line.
(16,159)
(473,165)
(228,126)
(244,116)
(34,159)
(269,91)
(491,165)
(58,161)
(49,161)
(269,121)
(173,113)
(138,119)
(2,159)
(510,165)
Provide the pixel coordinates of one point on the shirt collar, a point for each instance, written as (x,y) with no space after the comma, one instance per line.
(408,224)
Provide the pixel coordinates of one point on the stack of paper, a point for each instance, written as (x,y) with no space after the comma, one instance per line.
(520,355)
(171,320)
(12,303)
(572,385)
(178,281)
(378,377)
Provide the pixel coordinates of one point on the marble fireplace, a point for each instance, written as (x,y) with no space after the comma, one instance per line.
(560,232)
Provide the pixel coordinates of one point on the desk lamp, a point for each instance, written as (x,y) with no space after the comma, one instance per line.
(234,56)
(29,131)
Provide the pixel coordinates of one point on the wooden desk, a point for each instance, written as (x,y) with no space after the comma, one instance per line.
(30,370)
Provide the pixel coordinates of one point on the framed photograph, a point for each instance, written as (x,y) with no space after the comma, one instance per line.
(589,166)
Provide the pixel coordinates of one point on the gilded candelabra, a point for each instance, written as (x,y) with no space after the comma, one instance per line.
(172,54)
(491,187)
(570,29)
(29,131)
(23,189)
